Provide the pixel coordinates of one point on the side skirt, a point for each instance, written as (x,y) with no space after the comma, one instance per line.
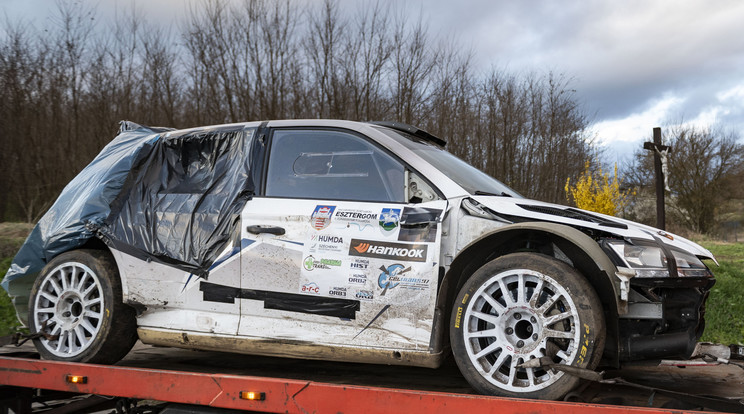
(288,348)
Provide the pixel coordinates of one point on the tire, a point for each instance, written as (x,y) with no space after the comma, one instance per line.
(519,307)
(77,300)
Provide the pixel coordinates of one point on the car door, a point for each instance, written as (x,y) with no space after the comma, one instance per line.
(332,253)
(182,210)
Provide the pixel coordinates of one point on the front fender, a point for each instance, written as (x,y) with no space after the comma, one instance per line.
(585,254)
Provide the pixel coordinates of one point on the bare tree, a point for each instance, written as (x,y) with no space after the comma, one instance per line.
(412,63)
(367,51)
(64,89)
(160,78)
(701,171)
(20,78)
(321,48)
(452,110)
(705,168)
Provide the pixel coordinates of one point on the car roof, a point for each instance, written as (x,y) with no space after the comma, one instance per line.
(398,126)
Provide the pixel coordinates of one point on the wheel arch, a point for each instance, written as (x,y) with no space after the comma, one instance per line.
(583,252)
(20,289)
(87,293)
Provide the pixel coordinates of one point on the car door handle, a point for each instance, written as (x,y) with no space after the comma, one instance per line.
(258,229)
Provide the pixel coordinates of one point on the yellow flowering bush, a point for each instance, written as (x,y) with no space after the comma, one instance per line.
(597,191)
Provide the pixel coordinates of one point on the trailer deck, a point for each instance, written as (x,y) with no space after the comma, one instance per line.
(224,380)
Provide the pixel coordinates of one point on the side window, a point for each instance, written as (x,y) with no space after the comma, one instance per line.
(327,164)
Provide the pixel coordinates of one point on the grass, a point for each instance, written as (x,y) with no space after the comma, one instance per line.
(724,316)
(12,236)
(724,311)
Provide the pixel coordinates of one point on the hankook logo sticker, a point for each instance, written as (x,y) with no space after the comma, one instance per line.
(387,250)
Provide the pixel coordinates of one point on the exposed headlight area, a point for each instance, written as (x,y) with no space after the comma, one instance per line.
(649,260)
(688,265)
(646,260)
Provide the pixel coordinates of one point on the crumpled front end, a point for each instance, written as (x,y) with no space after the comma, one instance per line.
(660,282)
(666,289)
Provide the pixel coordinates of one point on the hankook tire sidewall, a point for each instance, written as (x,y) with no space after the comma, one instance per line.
(591,321)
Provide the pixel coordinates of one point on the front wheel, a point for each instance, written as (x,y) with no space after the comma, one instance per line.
(520,307)
(76,302)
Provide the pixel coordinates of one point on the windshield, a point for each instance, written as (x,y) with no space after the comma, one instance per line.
(468,177)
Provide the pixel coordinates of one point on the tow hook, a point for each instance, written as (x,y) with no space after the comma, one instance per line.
(714,403)
(20,338)
(546,362)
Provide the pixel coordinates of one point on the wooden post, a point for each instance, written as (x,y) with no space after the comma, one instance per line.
(656,147)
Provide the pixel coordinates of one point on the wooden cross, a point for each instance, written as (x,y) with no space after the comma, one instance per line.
(659,175)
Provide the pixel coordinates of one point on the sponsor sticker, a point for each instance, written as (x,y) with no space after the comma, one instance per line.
(359,264)
(339,292)
(311,287)
(326,243)
(388,250)
(396,275)
(357,219)
(355,215)
(310,263)
(389,219)
(365,295)
(358,279)
(321,217)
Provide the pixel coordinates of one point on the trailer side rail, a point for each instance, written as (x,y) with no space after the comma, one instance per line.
(279,395)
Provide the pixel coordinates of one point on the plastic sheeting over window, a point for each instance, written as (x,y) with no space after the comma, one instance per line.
(174,197)
(182,205)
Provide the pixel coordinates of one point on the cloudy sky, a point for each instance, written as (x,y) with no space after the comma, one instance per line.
(636,64)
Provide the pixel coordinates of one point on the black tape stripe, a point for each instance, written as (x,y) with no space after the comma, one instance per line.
(291,302)
(384,308)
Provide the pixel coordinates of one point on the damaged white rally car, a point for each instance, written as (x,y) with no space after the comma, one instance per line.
(347,241)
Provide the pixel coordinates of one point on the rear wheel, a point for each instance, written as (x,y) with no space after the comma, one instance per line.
(520,307)
(77,302)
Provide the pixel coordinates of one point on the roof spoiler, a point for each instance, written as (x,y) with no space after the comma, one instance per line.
(417,132)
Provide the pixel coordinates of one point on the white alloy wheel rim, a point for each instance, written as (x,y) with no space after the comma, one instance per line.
(69,307)
(515,316)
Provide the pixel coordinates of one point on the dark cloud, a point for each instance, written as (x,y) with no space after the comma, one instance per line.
(624,56)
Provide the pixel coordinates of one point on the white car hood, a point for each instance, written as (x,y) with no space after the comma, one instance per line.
(516,207)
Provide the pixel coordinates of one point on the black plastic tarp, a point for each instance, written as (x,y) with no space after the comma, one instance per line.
(158,194)
(182,205)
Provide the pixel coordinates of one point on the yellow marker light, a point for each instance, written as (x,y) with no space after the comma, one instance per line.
(665,234)
(252,395)
(77,379)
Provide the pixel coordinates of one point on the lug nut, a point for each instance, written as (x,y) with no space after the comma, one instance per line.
(534,337)
(520,344)
(533,320)
(66,314)
(509,331)
(529,329)
(517,316)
